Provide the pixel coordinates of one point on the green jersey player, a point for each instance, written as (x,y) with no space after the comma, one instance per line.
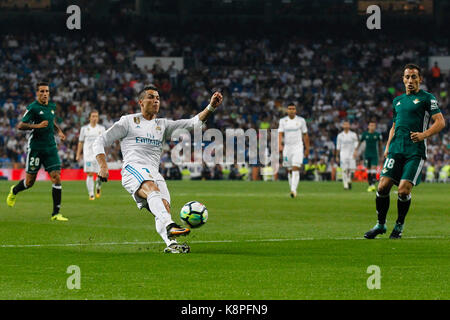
(372,153)
(41,150)
(405,150)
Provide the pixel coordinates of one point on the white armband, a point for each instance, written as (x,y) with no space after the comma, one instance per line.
(210,108)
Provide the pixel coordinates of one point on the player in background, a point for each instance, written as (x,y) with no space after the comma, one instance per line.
(372,153)
(345,153)
(295,133)
(41,149)
(88,134)
(141,138)
(406,149)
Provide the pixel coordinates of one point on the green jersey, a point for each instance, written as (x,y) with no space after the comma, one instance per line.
(371,140)
(42,138)
(412,113)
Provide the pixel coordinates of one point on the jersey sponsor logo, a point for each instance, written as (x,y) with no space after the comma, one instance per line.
(416,101)
(434,105)
(153,142)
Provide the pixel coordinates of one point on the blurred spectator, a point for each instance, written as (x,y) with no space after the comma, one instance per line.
(234,172)
(218,174)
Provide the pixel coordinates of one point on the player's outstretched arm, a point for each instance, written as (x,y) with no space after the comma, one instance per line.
(103,173)
(118,131)
(438,125)
(31,126)
(215,101)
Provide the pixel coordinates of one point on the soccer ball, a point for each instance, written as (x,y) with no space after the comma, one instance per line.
(194,214)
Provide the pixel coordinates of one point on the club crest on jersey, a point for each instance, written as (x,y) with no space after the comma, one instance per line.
(137,120)
(53,112)
(158,128)
(416,101)
(398,103)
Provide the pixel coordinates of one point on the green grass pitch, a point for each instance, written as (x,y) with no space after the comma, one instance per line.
(257,244)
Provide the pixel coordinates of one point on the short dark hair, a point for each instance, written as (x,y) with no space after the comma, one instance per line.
(40,84)
(148,87)
(291,104)
(412,66)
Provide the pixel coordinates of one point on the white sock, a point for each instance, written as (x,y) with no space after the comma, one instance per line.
(90,185)
(158,209)
(98,183)
(161,229)
(290,179)
(295,179)
(344,179)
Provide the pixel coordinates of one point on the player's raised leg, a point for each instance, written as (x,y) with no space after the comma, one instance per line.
(382,205)
(55,176)
(150,191)
(23,184)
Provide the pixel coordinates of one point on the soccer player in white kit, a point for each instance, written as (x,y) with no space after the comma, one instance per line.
(347,141)
(88,134)
(141,138)
(293,129)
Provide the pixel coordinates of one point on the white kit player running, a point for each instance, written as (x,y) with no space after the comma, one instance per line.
(141,138)
(293,129)
(347,141)
(88,134)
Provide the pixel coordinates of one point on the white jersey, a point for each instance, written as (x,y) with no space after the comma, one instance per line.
(141,140)
(88,135)
(347,143)
(293,130)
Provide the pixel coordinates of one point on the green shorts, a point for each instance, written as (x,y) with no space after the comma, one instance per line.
(400,167)
(370,161)
(47,157)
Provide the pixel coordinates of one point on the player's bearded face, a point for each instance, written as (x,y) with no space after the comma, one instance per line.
(150,103)
(291,112)
(43,94)
(411,80)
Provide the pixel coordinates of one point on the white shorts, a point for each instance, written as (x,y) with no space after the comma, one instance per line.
(292,157)
(348,164)
(134,175)
(90,166)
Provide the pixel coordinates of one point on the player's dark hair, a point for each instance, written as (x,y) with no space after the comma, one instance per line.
(291,104)
(148,87)
(40,84)
(413,66)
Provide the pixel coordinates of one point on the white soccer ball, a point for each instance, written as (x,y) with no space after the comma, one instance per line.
(194,214)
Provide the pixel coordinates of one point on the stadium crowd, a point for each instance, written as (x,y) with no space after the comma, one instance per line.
(329,81)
